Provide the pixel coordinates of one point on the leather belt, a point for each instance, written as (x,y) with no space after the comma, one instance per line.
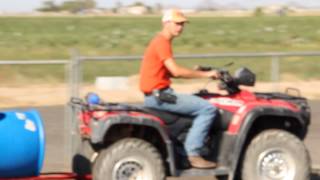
(162,89)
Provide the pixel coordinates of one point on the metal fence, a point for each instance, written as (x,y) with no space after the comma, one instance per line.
(64,143)
(275,58)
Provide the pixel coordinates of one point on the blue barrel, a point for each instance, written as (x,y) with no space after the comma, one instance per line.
(22,144)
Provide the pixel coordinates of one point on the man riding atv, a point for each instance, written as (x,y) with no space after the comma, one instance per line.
(158,66)
(251,135)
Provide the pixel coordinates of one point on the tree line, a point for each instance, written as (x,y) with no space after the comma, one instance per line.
(73,6)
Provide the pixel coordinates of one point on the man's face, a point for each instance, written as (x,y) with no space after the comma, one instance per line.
(175,28)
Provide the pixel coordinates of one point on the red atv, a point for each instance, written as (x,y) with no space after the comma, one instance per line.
(256,136)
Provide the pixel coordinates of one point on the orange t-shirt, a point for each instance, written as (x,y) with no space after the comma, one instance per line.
(153,72)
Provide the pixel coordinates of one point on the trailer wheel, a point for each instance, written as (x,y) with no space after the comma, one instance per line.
(82,160)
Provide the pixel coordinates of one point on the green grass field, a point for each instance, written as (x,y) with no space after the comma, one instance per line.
(54,37)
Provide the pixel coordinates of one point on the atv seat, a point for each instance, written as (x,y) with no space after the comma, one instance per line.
(221,122)
(176,123)
(167,117)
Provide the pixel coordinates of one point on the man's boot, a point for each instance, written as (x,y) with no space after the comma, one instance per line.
(200,162)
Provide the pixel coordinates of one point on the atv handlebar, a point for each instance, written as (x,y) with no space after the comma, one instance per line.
(205,68)
(227,81)
(242,76)
(224,74)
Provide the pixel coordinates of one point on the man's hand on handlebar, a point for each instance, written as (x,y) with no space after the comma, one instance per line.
(209,71)
(214,74)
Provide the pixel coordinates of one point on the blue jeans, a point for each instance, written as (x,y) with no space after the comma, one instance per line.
(202,110)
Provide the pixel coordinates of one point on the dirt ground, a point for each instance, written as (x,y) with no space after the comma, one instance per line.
(57,94)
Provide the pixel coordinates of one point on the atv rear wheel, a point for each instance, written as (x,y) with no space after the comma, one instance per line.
(129,159)
(276,155)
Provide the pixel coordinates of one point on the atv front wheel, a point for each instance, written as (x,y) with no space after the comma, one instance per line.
(276,155)
(129,159)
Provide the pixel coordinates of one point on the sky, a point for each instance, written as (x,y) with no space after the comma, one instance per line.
(30,5)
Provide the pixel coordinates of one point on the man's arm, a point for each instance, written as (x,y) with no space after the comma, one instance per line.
(182,72)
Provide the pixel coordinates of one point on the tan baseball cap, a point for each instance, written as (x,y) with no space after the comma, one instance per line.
(174,15)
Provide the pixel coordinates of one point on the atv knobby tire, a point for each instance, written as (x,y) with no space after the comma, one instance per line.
(128,159)
(276,155)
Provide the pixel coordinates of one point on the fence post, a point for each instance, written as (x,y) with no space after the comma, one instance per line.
(70,125)
(275,71)
(75,73)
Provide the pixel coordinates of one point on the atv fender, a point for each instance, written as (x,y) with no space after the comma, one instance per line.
(101,127)
(249,119)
